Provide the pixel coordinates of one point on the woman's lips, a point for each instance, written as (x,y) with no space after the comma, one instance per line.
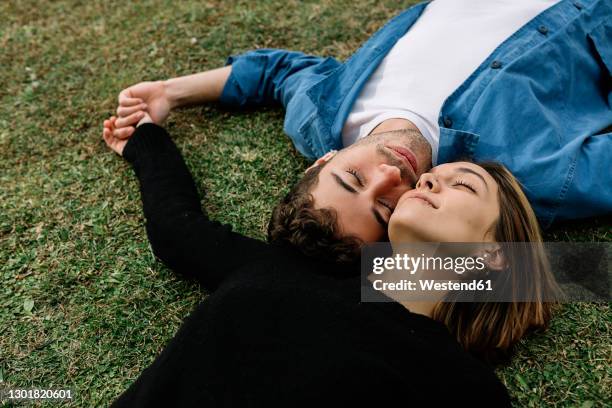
(424,201)
(408,156)
(422,197)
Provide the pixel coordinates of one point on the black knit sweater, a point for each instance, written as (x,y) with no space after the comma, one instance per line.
(278,328)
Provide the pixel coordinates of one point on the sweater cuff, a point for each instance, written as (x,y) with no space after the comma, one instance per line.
(148,138)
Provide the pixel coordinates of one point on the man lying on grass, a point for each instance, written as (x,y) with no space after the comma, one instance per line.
(526,83)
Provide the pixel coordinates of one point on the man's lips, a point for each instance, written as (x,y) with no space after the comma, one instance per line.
(406,155)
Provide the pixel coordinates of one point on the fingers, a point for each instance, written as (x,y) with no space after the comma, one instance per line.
(108,137)
(124,132)
(129,120)
(116,145)
(127,99)
(123,111)
(107,129)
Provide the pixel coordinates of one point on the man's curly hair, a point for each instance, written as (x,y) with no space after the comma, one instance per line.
(315,232)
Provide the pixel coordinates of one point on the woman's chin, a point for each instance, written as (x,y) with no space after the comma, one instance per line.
(406,233)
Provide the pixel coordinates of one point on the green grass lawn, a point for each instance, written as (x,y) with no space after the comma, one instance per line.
(83,304)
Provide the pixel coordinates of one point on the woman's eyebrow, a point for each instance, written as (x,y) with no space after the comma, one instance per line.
(468,170)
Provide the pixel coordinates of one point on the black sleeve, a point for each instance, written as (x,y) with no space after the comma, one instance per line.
(180,233)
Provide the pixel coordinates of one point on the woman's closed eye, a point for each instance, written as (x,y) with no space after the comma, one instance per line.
(466,185)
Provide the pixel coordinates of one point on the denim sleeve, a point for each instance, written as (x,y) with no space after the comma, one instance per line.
(270,76)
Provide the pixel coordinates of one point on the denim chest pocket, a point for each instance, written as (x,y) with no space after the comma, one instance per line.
(558,86)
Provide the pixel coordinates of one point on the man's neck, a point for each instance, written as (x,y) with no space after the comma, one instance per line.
(394,124)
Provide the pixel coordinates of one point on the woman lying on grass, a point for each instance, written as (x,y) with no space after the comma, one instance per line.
(280,328)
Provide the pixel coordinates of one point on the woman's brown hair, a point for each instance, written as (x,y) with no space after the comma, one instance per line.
(490,330)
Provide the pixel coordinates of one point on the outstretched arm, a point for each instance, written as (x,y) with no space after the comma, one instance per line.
(255,78)
(180,233)
(158,98)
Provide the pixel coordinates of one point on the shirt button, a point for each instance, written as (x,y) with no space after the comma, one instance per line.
(578,5)
(496,65)
(448,122)
(543,29)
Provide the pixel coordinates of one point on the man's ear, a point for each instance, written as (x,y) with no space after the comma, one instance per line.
(494,257)
(325,158)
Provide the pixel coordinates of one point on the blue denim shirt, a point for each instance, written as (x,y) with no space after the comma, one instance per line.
(539,103)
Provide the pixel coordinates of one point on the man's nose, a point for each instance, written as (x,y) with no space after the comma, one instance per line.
(388,178)
(428,181)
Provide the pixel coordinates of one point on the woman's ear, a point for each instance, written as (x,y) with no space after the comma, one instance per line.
(325,158)
(494,257)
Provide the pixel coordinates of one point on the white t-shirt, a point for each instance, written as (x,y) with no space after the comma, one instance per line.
(439,52)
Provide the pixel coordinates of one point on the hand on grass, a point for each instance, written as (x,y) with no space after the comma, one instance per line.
(117,144)
(114,143)
(145,96)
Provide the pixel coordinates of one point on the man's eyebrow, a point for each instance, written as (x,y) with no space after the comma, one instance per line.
(467,170)
(344,185)
(379,218)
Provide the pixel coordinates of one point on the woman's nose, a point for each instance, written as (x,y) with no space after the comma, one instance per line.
(428,181)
